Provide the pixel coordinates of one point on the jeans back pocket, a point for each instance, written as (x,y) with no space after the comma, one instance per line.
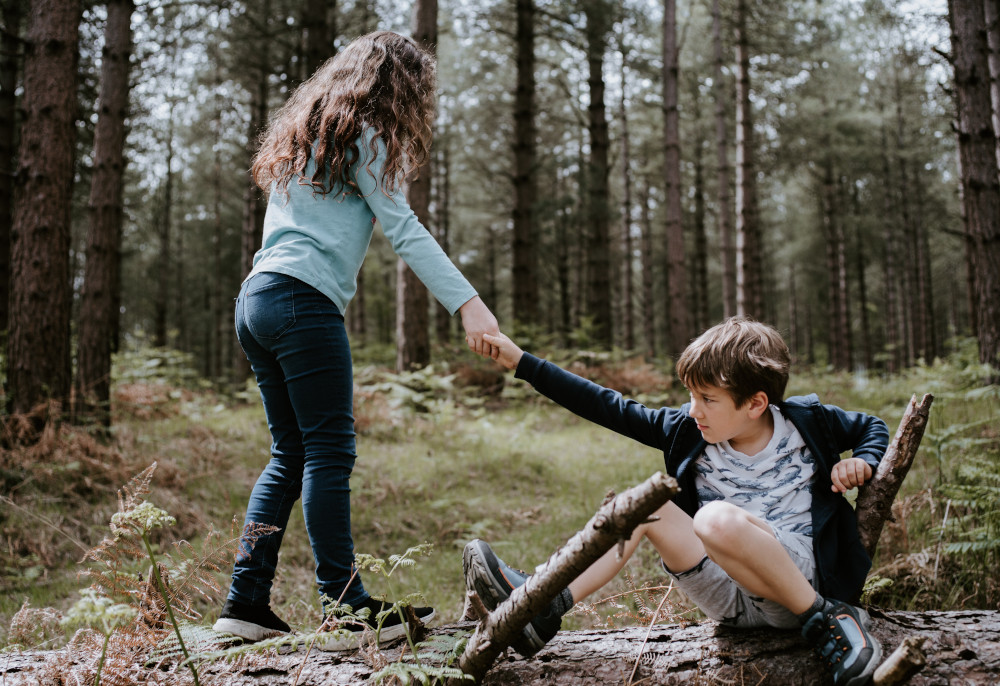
(269,305)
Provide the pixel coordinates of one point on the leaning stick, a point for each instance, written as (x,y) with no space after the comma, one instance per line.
(874,503)
(613,523)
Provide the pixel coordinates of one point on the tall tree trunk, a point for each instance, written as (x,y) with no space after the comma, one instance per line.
(725,220)
(992,16)
(162,296)
(598,13)
(628,276)
(861,264)
(524,271)
(254,203)
(699,263)
(977,144)
(442,319)
(892,337)
(318,25)
(39,364)
(678,314)
(649,305)
(10,49)
(834,249)
(97,327)
(413,346)
(749,279)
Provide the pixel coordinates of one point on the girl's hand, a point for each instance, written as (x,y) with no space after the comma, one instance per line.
(477,321)
(505,351)
(849,473)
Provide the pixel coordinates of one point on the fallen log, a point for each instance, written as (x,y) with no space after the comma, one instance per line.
(962,647)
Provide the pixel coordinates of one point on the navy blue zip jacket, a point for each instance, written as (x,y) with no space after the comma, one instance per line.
(841,561)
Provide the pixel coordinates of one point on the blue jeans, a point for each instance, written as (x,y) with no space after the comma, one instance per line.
(295,339)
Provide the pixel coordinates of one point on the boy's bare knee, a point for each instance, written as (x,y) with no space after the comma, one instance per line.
(718,521)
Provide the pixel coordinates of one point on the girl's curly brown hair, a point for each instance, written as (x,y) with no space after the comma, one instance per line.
(383,82)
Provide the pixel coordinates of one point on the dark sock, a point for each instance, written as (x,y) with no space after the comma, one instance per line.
(563,602)
(813,609)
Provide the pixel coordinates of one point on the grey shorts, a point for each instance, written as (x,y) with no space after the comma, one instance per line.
(724,600)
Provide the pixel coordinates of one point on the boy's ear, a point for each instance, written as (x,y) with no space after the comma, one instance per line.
(757,404)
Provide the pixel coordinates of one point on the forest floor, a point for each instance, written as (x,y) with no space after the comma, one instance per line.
(454,453)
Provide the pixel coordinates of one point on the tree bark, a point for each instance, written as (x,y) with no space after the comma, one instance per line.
(977,145)
(628,275)
(727,254)
(413,345)
(10,50)
(649,303)
(598,299)
(39,363)
(962,647)
(98,326)
(524,271)
(874,502)
(749,277)
(677,306)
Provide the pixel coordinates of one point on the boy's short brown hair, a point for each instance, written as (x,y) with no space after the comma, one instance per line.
(741,356)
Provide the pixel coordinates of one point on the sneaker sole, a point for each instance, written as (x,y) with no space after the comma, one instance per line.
(350,641)
(245,630)
(480,577)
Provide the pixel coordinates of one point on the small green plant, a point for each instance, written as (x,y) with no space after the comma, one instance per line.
(141,598)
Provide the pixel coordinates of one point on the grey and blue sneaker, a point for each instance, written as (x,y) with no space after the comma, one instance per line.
(493,581)
(839,634)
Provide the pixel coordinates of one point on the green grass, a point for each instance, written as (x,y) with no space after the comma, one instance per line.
(513,469)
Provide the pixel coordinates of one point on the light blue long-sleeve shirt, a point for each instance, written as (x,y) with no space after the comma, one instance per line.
(323,240)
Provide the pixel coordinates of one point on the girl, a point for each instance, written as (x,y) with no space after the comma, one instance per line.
(333,161)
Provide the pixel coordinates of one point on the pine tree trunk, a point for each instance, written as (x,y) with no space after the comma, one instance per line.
(97,327)
(628,273)
(162,295)
(524,270)
(649,305)
(749,280)
(413,346)
(891,319)
(727,254)
(39,364)
(10,49)
(598,283)
(319,34)
(861,264)
(992,16)
(678,315)
(699,306)
(442,186)
(977,144)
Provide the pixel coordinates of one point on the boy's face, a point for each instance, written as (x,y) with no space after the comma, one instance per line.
(720,420)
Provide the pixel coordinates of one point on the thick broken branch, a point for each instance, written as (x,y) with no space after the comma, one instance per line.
(614,522)
(874,504)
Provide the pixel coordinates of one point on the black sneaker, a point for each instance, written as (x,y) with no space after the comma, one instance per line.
(493,581)
(346,633)
(250,622)
(839,634)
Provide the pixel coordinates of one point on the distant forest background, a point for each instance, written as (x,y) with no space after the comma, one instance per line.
(608,174)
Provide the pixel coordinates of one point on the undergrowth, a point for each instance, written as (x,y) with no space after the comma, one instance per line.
(447,454)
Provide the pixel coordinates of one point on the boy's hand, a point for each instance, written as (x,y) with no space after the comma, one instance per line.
(505,351)
(849,473)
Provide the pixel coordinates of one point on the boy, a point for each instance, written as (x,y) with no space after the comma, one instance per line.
(760,534)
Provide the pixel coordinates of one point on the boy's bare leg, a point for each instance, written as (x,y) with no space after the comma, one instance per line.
(674,538)
(745,547)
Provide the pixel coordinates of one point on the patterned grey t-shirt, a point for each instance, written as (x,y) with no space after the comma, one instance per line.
(775,484)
